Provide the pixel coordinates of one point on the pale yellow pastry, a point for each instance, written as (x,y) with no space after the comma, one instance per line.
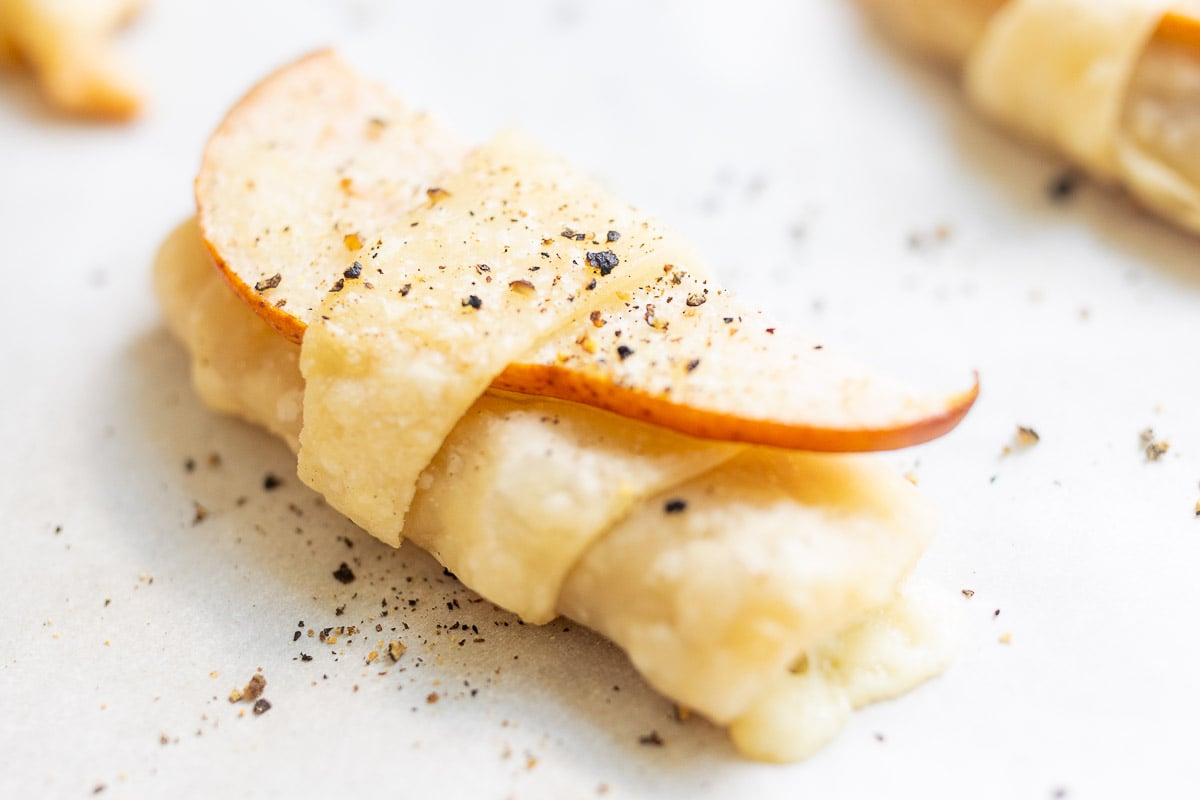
(759,587)
(1112,85)
(65,43)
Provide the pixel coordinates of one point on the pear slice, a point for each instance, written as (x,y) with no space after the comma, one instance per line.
(308,172)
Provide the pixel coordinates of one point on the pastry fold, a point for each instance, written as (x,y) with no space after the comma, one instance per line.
(1112,85)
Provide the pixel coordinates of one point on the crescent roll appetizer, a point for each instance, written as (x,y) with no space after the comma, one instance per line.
(483,352)
(1113,85)
(65,44)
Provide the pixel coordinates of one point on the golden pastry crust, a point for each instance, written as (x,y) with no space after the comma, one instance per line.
(65,44)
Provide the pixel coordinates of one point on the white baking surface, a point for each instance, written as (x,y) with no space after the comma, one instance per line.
(802,152)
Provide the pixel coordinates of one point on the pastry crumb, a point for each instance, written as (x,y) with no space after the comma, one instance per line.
(252,690)
(1025,438)
(1153,447)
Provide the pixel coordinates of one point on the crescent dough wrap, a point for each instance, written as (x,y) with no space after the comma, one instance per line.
(1112,85)
(717,607)
(759,587)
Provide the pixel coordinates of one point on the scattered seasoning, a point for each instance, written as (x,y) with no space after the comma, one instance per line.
(523,287)
(695,300)
(612,236)
(624,352)
(1197,514)
(591,284)
(261,706)
(727,320)
(254,687)
(691,365)
(918,240)
(271,481)
(675,506)
(1005,638)
(252,691)
(432,698)
(1154,448)
(405,289)
(597,319)
(305,657)
(344,574)
(268,283)
(651,739)
(1024,438)
(337,287)
(395,649)
(296,636)
(189,465)
(353,271)
(201,513)
(682,713)
(436,194)
(473,301)
(1063,185)
(352,241)
(605,261)
(968,592)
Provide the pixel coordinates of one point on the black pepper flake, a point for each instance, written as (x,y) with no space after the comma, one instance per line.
(405,289)
(613,236)
(591,285)
(652,739)
(354,270)
(624,351)
(271,481)
(305,657)
(473,301)
(675,506)
(1063,186)
(295,636)
(727,320)
(605,261)
(695,300)
(261,706)
(344,574)
(691,365)
(268,283)
(337,287)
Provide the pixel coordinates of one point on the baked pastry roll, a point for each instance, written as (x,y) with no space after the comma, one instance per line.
(1112,85)
(760,587)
